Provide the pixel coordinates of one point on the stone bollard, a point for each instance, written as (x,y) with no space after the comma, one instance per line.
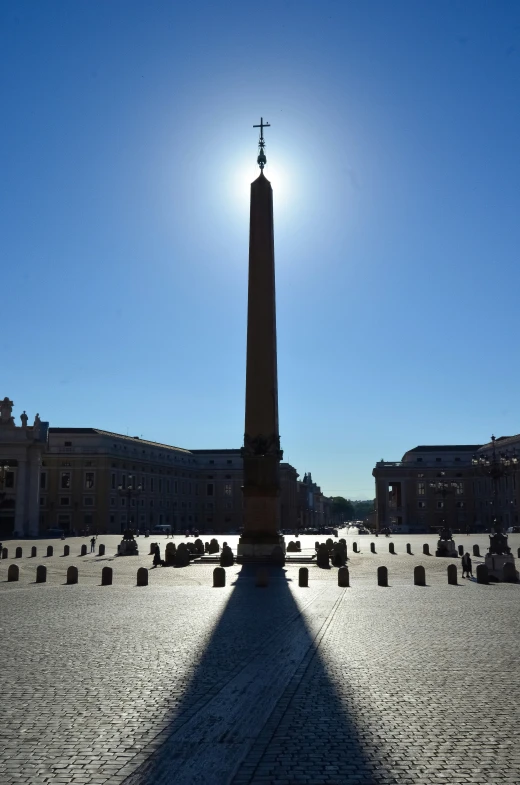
(101,551)
(461,550)
(33,552)
(219,577)
(426,549)
(106,576)
(303,577)
(354,547)
(482,574)
(419,576)
(13,573)
(50,550)
(343,577)
(476,550)
(509,572)
(518,553)
(262,577)
(41,574)
(5,553)
(408,548)
(391,548)
(452,574)
(72,575)
(66,550)
(18,553)
(372,547)
(83,550)
(142,576)
(382,576)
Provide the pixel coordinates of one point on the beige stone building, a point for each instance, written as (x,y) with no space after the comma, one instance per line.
(90,479)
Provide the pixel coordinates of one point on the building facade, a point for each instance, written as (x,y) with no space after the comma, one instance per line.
(430,487)
(91,480)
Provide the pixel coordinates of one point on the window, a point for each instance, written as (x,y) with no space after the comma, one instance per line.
(421,505)
(65,480)
(123,481)
(65,501)
(438,460)
(9,479)
(459,488)
(419,460)
(112,502)
(151,484)
(89,480)
(66,463)
(457,459)
(64,520)
(67,444)
(112,519)
(440,505)
(229,462)
(420,475)
(88,501)
(209,489)
(43,481)
(167,486)
(421,488)
(113,481)
(89,463)
(212,461)
(123,501)
(42,501)
(209,505)
(460,505)
(160,486)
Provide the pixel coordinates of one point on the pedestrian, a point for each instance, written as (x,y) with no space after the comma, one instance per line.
(92,544)
(466,566)
(157,556)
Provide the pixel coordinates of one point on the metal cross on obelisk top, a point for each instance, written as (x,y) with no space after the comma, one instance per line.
(262,160)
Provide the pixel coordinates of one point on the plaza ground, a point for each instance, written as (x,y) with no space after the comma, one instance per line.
(178,682)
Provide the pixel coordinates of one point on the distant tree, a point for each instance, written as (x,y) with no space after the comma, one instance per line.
(344,507)
(362,509)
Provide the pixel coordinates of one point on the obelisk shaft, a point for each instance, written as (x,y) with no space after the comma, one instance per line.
(261,452)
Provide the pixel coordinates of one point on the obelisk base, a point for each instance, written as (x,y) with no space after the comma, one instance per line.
(270,548)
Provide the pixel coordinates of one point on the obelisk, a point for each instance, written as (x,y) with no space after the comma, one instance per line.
(261,452)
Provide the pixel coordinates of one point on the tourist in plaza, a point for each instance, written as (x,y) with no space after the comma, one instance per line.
(466,565)
(92,544)
(157,556)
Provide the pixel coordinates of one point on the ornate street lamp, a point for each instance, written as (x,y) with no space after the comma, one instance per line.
(444,488)
(132,491)
(496,466)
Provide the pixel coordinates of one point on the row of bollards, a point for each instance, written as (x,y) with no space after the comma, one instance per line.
(262,575)
(50,551)
(425,550)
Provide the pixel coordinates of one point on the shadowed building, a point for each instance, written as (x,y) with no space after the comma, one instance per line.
(431,486)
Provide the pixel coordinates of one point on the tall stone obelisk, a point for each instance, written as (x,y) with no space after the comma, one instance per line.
(261,451)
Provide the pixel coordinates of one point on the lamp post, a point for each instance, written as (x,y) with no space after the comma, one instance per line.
(444,488)
(132,491)
(496,466)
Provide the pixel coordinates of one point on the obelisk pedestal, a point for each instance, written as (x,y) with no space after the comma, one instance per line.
(261,452)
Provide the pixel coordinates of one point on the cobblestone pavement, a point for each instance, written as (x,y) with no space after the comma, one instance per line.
(180,682)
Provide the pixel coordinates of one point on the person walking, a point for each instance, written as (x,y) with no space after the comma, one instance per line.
(466,566)
(157,556)
(92,544)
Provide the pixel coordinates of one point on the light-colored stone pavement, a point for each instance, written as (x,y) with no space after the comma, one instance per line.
(180,682)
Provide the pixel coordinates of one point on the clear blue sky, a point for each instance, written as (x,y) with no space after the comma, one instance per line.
(126,156)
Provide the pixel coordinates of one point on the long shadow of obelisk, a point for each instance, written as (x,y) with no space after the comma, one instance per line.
(262,659)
